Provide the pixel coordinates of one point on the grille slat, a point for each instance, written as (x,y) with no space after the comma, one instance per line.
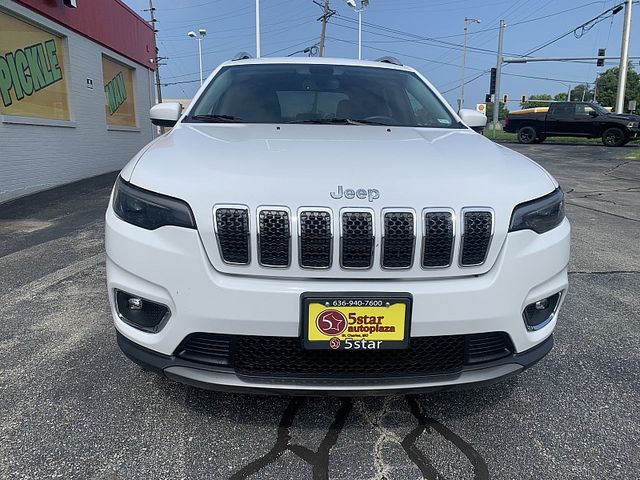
(476,237)
(438,239)
(232,229)
(398,239)
(358,240)
(316,239)
(274,238)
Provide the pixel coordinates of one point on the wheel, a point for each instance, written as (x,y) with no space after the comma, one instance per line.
(614,137)
(527,135)
(540,139)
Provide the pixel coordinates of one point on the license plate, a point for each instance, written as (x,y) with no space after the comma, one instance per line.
(356,322)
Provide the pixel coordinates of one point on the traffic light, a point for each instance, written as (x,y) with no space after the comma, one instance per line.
(505,99)
(492,82)
(601,53)
(487,98)
(523,99)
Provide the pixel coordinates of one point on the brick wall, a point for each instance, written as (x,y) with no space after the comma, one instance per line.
(41,154)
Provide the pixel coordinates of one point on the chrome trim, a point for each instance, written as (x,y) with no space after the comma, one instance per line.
(259,250)
(215,229)
(454,232)
(383,212)
(299,230)
(493,228)
(229,379)
(161,324)
(549,319)
(373,232)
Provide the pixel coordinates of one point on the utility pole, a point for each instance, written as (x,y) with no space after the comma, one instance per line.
(327,13)
(156,59)
(496,99)
(624,57)
(257,28)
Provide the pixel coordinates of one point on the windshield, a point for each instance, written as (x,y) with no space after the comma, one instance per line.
(599,108)
(303,93)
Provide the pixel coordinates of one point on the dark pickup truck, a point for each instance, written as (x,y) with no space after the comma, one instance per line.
(573,119)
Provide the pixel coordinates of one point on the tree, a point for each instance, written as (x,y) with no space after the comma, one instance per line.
(607,87)
(531,104)
(560,97)
(502,112)
(581,93)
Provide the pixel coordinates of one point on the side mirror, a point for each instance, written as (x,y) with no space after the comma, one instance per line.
(165,114)
(593,113)
(473,119)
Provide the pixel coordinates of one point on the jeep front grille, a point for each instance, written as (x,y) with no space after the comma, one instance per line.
(437,247)
(476,237)
(232,230)
(430,236)
(274,237)
(358,240)
(316,238)
(398,239)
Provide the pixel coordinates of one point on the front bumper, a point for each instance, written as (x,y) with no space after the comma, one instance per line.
(169,266)
(224,379)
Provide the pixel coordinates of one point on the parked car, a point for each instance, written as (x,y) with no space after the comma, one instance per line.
(321,225)
(573,119)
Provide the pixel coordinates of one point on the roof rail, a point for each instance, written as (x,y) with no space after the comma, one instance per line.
(241,56)
(387,59)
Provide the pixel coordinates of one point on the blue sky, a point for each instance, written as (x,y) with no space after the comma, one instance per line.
(397,28)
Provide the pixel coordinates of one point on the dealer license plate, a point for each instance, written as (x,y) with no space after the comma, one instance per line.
(356,322)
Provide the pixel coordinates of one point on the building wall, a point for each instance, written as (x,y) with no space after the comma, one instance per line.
(39,153)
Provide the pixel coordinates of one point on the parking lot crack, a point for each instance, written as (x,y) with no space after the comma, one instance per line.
(383,470)
(480,469)
(319,460)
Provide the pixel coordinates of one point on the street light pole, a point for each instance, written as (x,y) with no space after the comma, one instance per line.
(363,5)
(257,28)
(201,34)
(496,100)
(464,58)
(624,57)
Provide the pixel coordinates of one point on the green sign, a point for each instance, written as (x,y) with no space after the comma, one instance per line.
(28,70)
(116,93)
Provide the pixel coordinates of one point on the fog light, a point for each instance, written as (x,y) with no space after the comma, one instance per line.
(538,314)
(135,303)
(141,313)
(540,304)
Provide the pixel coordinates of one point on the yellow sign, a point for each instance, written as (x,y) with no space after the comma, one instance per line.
(118,93)
(357,323)
(481,107)
(32,82)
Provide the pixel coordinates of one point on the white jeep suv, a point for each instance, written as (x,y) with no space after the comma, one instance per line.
(322,225)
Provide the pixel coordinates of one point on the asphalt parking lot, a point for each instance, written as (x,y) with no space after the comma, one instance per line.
(72,406)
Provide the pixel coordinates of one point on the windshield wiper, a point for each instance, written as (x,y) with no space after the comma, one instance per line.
(338,121)
(215,119)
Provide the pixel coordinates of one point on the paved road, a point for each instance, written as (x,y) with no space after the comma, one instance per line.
(72,406)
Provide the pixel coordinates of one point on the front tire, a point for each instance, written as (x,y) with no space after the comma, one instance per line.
(527,135)
(614,137)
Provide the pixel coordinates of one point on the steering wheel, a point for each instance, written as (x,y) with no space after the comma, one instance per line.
(382,119)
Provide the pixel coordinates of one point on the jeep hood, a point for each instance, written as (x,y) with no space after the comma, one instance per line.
(301,164)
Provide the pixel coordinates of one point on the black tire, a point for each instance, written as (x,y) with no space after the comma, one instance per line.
(540,139)
(527,135)
(614,137)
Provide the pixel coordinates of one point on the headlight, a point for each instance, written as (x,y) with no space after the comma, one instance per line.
(539,215)
(633,124)
(150,210)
